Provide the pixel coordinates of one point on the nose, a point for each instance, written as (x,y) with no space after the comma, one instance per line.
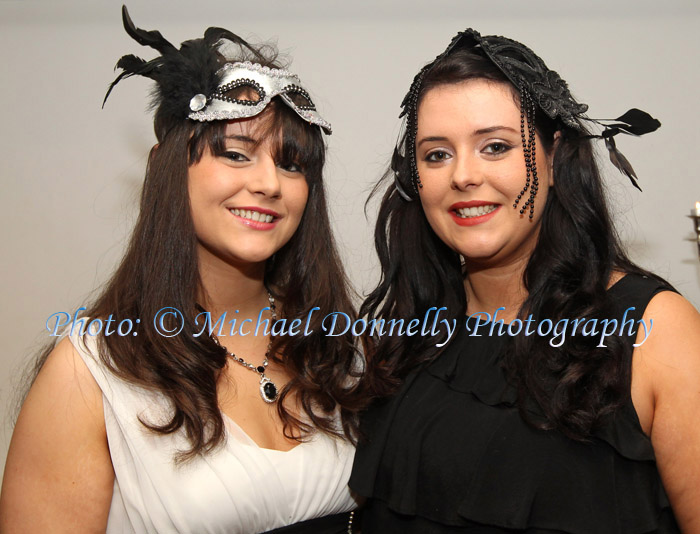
(264,179)
(466,173)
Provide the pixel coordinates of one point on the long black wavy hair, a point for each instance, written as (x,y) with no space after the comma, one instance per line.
(567,275)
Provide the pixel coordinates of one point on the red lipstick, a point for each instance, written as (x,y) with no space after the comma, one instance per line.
(472,221)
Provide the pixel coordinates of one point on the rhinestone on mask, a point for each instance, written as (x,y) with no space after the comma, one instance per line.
(198,102)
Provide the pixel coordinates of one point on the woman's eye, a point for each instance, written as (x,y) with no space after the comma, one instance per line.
(234,156)
(290,167)
(497,148)
(438,155)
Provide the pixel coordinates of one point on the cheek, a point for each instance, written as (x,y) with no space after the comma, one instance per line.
(206,189)
(509,178)
(432,193)
(195,200)
(298,196)
(435,212)
(200,200)
(202,183)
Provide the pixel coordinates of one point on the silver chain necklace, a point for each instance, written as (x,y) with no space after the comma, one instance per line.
(268,389)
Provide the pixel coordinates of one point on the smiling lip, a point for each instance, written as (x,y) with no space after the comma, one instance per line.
(476,219)
(250,222)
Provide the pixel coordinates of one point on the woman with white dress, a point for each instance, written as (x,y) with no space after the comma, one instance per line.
(199,393)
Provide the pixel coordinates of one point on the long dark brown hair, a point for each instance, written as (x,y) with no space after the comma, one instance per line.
(567,275)
(160,269)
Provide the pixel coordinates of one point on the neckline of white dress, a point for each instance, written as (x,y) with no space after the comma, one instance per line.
(253,443)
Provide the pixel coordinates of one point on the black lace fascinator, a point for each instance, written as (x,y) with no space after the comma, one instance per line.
(539,88)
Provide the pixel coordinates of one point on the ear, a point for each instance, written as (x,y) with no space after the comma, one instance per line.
(550,158)
(152,153)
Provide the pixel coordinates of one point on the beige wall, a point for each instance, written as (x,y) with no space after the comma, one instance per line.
(70,172)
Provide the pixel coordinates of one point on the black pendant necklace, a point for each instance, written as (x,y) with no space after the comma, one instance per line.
(268,389)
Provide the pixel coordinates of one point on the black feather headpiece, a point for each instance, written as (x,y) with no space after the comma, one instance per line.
(201,82)
(179,74)
(539,87)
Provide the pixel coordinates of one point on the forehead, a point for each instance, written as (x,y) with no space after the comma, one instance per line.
(279,131)
(473,103)
(248,126)
(261,128)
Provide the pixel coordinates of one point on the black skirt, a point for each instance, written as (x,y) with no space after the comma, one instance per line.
(330,524)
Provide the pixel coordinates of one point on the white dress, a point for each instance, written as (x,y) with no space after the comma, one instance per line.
(239,488)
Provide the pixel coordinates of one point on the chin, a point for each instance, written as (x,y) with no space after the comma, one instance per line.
(475,251)
(480,255)
(253,258)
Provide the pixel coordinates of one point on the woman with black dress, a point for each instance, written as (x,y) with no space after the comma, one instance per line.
(567,400)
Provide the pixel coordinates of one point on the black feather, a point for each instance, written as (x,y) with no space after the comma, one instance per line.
(213,35)
(152,38)
(620,161)
(179,74)
(131,65)
(111,86)
(639,122)
(634,122)
(193,71)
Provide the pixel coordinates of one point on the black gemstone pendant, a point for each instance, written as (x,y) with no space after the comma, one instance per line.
(261,369)
(268,390)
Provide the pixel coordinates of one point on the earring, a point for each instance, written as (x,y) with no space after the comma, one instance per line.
(527,113)
(410,105)
(413,125)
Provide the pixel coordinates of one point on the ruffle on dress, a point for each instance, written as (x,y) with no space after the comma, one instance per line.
(423,461)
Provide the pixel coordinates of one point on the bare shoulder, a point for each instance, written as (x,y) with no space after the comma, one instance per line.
(64,366)
(673,340)
(58,475)
(667,356)
(669,360)
(65,380)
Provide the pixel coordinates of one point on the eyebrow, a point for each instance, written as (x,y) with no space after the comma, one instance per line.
(480,131)
(243,139)
(430,139)
(492,129)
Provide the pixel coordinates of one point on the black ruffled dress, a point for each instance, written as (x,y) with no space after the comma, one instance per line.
(450,453)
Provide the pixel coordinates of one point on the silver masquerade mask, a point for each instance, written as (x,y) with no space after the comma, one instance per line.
(247,88)
(206,79)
